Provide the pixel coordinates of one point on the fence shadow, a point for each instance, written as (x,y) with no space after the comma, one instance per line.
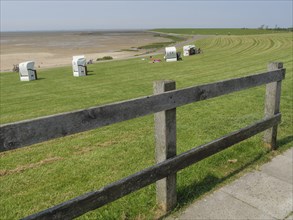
(285,140)
(186,195)
(196,189)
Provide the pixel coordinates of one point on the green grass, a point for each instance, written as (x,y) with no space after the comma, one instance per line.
(158,45)
(173,38)
(40,176)
(219,31)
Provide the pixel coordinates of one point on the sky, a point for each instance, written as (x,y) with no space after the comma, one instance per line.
(40,15)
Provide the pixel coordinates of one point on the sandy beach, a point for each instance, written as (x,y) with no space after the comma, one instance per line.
(52,49)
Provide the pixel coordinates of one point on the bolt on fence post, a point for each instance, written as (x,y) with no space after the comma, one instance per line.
(165,148)
(272,106)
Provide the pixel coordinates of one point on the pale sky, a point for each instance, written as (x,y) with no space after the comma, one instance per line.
(25,15)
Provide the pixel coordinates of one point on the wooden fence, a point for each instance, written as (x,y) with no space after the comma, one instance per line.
(163,104)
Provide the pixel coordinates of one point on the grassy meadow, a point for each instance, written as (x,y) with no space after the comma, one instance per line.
(37,177)
(219,31)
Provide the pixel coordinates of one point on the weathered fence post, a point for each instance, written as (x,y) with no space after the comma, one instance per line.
(272,106)
(165,143)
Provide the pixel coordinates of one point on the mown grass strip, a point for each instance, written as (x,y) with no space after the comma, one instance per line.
(87,158)
(221,31)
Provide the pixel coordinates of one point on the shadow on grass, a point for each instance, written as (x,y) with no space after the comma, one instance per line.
(187,194)
(90,73)
(285,140)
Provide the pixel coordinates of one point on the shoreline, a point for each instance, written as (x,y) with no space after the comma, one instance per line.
(53,49)
(57,49)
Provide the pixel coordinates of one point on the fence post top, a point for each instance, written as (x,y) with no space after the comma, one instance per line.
(275,65)
(164,81)
(163,86)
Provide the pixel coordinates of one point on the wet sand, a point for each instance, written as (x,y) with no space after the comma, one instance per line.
(52,49)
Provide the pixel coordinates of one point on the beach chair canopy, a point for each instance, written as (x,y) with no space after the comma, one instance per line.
(170,53)
(24,67)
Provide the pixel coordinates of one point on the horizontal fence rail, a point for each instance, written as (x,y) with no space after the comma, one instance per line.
(93,200)
(20,134)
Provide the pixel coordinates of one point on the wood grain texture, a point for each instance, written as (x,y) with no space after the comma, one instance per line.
(93,200)
(24,133)
(272,106)
(165,148)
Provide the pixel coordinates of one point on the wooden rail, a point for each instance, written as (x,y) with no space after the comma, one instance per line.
(19,134)
(163,103)
(93,200)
